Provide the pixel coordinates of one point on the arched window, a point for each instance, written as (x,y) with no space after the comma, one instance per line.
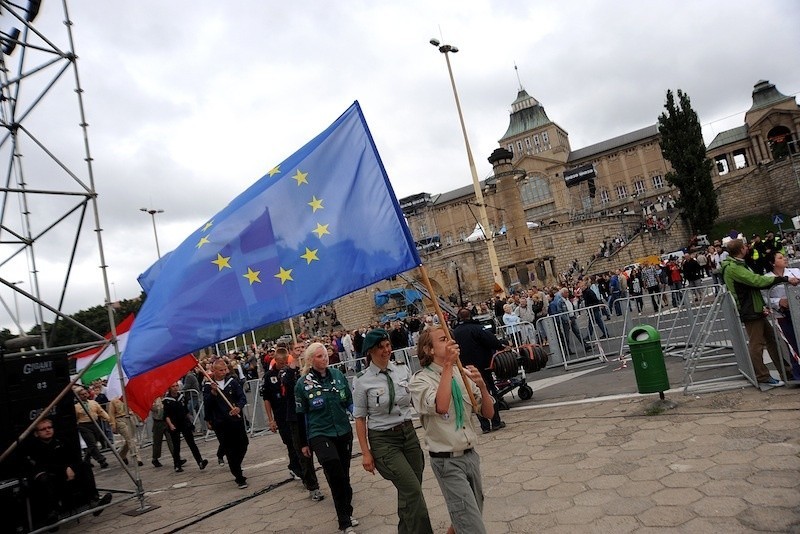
(535,189)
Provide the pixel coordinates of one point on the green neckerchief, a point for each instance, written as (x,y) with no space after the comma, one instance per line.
(458,400)
(390,384)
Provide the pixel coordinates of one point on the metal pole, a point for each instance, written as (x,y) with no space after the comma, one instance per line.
(495,265)
(16,308)
(152,213)
(458,283)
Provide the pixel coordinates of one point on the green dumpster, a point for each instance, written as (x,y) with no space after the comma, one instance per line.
(648,359)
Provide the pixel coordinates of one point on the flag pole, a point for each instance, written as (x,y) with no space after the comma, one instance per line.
(291,327)
(211,380)
(435,299)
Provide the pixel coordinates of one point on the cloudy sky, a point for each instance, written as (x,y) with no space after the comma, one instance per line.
(190,102)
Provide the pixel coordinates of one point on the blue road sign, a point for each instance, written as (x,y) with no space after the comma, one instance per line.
(777,220)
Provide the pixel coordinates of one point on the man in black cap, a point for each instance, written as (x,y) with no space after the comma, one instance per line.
(478,345)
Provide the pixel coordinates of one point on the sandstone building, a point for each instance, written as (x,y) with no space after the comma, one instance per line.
(549,204)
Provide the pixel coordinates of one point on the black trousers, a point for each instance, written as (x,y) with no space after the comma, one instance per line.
(53,494)
(494,422)
(233,440)
(334,455)
(307,471)
(92,436)
(188,435)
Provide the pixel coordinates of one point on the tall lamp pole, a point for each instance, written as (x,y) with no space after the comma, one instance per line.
(152,213)
(495,265)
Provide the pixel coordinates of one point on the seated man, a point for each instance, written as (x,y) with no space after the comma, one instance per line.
(59,482)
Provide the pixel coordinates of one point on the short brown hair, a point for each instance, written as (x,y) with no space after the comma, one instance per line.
(735,247)
(425,347)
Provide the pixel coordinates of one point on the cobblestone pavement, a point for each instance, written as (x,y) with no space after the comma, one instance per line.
(718,462)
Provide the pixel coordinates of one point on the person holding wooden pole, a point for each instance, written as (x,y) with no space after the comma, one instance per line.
(224,400)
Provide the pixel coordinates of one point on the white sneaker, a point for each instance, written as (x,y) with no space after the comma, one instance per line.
(353,521)
(349,530)
(293,475)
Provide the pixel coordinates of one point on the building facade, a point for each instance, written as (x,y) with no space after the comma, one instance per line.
(549,205)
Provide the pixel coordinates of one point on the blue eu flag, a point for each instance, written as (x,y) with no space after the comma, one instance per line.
(321,224)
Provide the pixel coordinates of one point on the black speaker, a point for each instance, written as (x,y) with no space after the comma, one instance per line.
(28,384)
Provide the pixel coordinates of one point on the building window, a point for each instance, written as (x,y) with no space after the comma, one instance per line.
(519,146)
(528,143)
(605,198)
(448,239)
(638,185)
(540,212)
(535,189)
(510,148)
(545,140)
(622,191)
(423,230)
(462,235)
(658,181)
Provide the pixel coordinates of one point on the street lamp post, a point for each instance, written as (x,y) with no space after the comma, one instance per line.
(152,213)
(16,308)
(495,265)
(454,265)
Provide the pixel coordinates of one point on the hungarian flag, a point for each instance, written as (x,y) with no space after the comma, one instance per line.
(143,389)
(108,359)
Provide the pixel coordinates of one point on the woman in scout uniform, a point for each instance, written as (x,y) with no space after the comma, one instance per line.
(440,396)
(322,402)
(382,404)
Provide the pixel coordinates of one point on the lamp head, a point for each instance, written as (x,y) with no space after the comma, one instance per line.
(435,42)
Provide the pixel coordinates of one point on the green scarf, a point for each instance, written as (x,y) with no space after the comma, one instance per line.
(458,400)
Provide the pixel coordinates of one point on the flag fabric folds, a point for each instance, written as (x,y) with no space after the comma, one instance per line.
(321,224)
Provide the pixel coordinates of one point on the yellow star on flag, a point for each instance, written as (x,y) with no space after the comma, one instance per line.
(203,241)
(222,261)
(208,225)
(252,276)
(275,170)
(284,275)
(316,204)
(310,255)
(300,177)
(321,230)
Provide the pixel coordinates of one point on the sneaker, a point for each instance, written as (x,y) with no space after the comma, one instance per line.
(349,530)
(221,460)
(498,427)
(294,476)
(353,521)
(105,464)
(104,500)
(202,464)
(183,461)
(156,463)
(772,383)
(316,495)
(242,483)
(179,469)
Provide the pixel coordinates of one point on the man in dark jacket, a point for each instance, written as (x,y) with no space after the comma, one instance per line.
(226,422)
(478,345)
(59,480)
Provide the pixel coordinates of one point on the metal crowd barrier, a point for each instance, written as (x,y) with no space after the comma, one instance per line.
(577,338)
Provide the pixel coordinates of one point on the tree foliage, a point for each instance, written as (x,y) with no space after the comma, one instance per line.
(64,333)
(682,145)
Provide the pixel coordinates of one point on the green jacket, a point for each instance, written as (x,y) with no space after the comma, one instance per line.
(745,286)
(325,401)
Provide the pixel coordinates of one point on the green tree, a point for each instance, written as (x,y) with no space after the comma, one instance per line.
(682,145)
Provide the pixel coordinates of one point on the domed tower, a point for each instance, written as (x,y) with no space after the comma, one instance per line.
(531,132)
